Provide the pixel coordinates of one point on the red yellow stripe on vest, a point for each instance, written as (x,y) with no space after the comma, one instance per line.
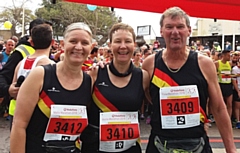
(161,79)
(45,103)
(102,102)
(203,116)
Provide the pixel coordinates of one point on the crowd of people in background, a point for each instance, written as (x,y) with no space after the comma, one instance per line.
(78,51)
(104,54)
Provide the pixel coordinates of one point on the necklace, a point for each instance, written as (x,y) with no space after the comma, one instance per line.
(116,73)
(173,71)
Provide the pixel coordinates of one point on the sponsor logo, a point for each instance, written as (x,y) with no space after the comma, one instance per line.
(116,115)
(103,84)
(70,109)
(53,90)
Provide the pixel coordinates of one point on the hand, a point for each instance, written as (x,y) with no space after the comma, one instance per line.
(206,127)
(101,64)
(13,91)
(57,55)
(238,93)
(95,65)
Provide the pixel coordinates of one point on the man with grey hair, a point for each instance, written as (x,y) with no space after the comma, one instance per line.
(181,83)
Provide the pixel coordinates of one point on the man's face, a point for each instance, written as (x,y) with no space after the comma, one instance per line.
(55,45)
(235,58)
(10,46)
(147,53)
(137,56)
(198,43)
(227,56)
(175,32)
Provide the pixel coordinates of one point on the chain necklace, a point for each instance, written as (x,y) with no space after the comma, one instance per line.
(173,71)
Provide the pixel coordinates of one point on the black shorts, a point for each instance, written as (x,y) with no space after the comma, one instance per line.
(227,89)
(235,96)
(151,148)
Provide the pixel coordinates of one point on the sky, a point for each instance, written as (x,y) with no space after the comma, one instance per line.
(130,17)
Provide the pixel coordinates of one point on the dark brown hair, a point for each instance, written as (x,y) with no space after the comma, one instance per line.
(42,36)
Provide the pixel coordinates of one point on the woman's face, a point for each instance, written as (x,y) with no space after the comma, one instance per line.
(77,46)
(122,45)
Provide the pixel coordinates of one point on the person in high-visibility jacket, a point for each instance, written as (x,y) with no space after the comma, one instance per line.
(23,49)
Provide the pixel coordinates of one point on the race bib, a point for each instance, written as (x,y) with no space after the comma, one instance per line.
(179,107)
(66,122)
(226,78)
(119,131)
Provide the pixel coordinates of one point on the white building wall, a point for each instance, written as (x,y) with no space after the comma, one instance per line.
(205,27)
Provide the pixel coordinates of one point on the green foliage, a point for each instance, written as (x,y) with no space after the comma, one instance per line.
(64,13)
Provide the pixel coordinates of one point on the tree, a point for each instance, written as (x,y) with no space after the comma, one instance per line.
(14,14)
(64,13)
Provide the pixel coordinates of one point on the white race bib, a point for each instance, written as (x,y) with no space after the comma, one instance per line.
(66,122)
(119,131)
(179,107)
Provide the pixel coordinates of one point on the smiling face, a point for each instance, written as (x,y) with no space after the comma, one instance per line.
(122,45)
(77,46)
(175,32)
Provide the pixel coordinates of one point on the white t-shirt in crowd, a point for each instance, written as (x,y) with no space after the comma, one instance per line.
(236,70)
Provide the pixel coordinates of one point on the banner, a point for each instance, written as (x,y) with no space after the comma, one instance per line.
(219,9)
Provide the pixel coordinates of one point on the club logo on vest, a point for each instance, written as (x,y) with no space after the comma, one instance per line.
(103,84)
(53,90)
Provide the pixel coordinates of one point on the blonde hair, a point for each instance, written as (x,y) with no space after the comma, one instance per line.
(175,12)
(77,26)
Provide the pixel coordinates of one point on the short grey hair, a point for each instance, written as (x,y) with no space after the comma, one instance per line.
(77,26)
(175,12)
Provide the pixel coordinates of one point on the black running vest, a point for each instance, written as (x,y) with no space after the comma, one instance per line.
(128,98)
(54,92)
(189,74)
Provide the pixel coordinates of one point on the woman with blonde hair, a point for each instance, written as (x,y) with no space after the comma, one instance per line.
(51,103)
